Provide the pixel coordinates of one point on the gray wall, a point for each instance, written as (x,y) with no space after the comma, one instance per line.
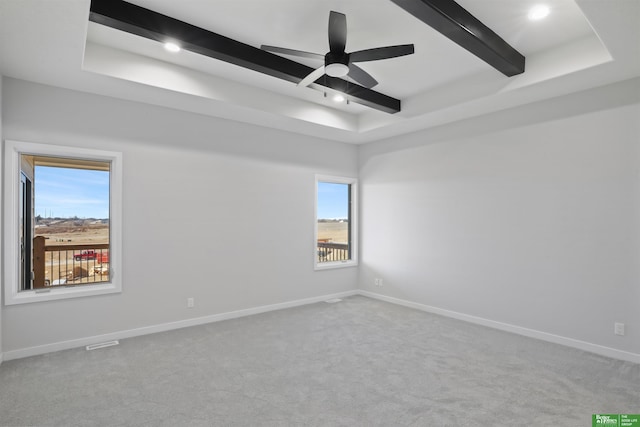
(213,209)
(536,225)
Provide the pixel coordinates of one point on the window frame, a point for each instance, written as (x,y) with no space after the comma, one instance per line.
(353,223)
(11,265)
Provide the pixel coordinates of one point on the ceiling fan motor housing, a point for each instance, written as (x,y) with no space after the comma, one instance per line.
(336,64)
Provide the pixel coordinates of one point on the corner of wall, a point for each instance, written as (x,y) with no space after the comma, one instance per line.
(1,204)
(601,350)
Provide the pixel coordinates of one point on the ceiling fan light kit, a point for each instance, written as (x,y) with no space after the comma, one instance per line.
(336,69)
(446,16)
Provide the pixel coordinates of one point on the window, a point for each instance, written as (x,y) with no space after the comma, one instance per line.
(62,222)
(336,222)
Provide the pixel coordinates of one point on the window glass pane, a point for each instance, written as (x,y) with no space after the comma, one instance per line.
(70,220)
(333,227)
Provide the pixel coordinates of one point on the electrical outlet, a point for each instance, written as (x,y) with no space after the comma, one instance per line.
(191,302)
(377,281)
(618,328)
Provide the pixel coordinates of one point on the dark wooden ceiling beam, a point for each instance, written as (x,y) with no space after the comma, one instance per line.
(456,23)
(155,26)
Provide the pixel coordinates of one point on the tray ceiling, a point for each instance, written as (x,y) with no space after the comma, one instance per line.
(581,44)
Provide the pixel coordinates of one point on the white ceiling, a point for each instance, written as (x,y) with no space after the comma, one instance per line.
(580,45)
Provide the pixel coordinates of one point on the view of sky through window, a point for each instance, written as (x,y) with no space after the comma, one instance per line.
(68,192)
(333,200)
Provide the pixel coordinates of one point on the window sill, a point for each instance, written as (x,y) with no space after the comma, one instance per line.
(335,264)
(57,293)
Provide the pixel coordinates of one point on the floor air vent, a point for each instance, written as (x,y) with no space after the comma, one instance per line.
(102,345)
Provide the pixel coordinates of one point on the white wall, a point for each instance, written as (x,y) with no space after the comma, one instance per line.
(1,216)
(529,217)
(534,226)
(213,209)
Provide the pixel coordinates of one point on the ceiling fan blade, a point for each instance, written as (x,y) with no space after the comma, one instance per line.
(337,32)
(361,76)
(312,77)
(381,53)
(292,52)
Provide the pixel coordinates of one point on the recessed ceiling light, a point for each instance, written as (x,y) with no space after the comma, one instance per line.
(172,47)
(338,97)
(538,12)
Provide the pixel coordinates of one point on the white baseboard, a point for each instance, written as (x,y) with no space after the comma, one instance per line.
(82,342)
(531,333)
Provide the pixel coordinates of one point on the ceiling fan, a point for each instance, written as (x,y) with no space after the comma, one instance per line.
(338,63)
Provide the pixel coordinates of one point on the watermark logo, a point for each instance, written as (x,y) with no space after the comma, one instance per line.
(605,420)
(615,420)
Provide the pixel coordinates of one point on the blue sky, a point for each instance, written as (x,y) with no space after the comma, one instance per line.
(66,192)
(333,200)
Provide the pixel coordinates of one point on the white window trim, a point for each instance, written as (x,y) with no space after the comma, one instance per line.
(13,151)
(353,262)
